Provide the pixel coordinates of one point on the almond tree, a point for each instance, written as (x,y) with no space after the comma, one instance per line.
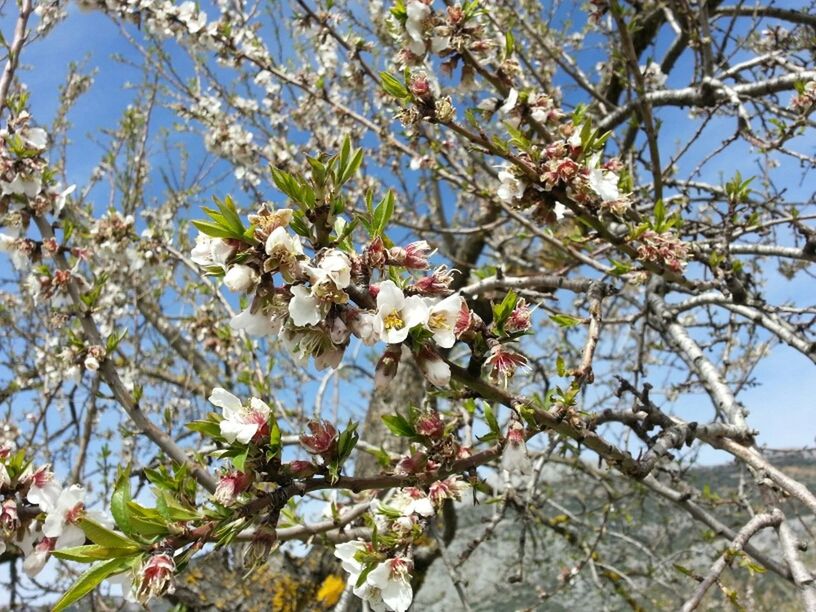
(447,246)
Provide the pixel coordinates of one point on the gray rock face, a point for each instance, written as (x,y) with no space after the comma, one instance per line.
(492,573)
(583,546)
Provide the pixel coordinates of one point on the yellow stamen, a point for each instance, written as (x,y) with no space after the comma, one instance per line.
(393,321)
(438,320)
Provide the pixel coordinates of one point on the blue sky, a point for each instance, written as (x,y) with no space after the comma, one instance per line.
(787,385)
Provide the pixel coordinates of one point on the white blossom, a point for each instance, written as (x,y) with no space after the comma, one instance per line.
(396,314)
(411,502)
(314,342)
(240,278)
(511,187)
(210,251)
(337,267)
(28,186)
(393,580)
(363,326)
(240,423)
(35,138)
(603,182)
(653,76)
(510,102)
(255,324)
(442,319)
(44,489)
(417,12)
(192,17)
(37,551)
(346,552)
(60,523)
(434,368)
(283,250)
(304,308)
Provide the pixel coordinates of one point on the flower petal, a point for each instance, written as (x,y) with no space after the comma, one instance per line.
(224,399)
(390,297)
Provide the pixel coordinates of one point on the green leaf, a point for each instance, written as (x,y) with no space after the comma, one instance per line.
(509,44)
(619,267)
(683,570)
(88,581)
(172,511)
(114,339)
(293,187)
(211,229)
(560,367)
(239,461)
(392,86)
(364,574)
(382,214)
(504,309)
(399,425)
(490,419)
(209,428)
(347,441)
(93,552)
(275,439)
(99,534)
(659,215)
(119,500)
(230,215)
(352,168)
(319,170)
(564,320)
(300,224)
(147,522)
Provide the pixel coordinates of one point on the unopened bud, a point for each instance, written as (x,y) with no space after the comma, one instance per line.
(387,366)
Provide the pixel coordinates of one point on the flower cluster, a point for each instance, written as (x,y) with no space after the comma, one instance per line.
(459,29)
(664,248)
(387,565)
(26,186)
(805,99)
(25,487)
(312,310)
(564,166)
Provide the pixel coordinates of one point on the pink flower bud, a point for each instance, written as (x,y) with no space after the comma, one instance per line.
(411,464)
(465,321)
(299,469)
(375,255)
(435,284)
(323,439)
(230,486)
(519,319)
(455,14)
(430,425)
(416,255)
(450,488)
(8,515)
(515,458)
(420,86)
(156,577)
